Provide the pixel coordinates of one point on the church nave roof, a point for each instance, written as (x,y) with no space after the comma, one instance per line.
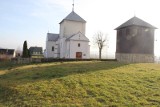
(52,36)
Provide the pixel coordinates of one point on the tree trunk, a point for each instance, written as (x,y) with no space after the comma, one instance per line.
(100,50)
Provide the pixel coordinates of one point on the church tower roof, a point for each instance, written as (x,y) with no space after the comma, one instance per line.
(73,17)
(135,21)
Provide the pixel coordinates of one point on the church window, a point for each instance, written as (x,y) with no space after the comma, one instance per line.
(79,44)
(52,48)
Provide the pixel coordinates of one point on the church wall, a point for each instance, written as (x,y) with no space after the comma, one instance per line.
(84,48)
(61,29)
(68,28)
(49,52)
(62,44)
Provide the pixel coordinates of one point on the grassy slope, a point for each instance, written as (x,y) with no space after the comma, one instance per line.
(80,84)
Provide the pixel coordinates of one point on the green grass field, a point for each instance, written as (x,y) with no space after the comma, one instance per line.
(90,83)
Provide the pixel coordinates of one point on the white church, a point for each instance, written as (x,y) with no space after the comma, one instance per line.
(71,41)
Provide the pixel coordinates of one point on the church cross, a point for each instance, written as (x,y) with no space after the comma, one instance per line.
(73,6)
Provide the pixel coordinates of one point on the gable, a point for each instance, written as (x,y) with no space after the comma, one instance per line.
(78,37)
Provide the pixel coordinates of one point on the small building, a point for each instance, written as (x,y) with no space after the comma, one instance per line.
(135,41)
(71,41)
(6,54)
(36,52)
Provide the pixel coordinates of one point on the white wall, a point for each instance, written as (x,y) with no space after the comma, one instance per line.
(68,28)
(49,52)
(73,48)
(62,47)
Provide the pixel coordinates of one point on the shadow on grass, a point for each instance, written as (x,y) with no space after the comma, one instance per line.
(17,76)
(58,70)
(8,65)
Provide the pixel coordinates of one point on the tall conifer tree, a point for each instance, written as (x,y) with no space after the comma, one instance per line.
(25,50)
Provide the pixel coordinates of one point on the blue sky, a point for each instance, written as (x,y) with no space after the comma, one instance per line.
(25,20)
(30,20)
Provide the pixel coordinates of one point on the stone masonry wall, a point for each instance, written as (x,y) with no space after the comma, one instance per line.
(135,58)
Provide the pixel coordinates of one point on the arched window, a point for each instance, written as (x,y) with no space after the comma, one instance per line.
(79,44)
(52,48)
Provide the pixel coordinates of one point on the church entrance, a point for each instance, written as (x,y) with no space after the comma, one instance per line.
(79,55)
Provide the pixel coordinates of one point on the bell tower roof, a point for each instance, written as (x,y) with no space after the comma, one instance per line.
(135,21)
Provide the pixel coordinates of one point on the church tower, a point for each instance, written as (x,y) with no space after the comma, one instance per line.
(72,40)
(72,24)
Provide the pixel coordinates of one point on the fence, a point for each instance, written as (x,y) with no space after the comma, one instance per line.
(25,60)
(39,60)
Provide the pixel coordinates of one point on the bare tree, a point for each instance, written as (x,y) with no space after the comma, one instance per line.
(100,39)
